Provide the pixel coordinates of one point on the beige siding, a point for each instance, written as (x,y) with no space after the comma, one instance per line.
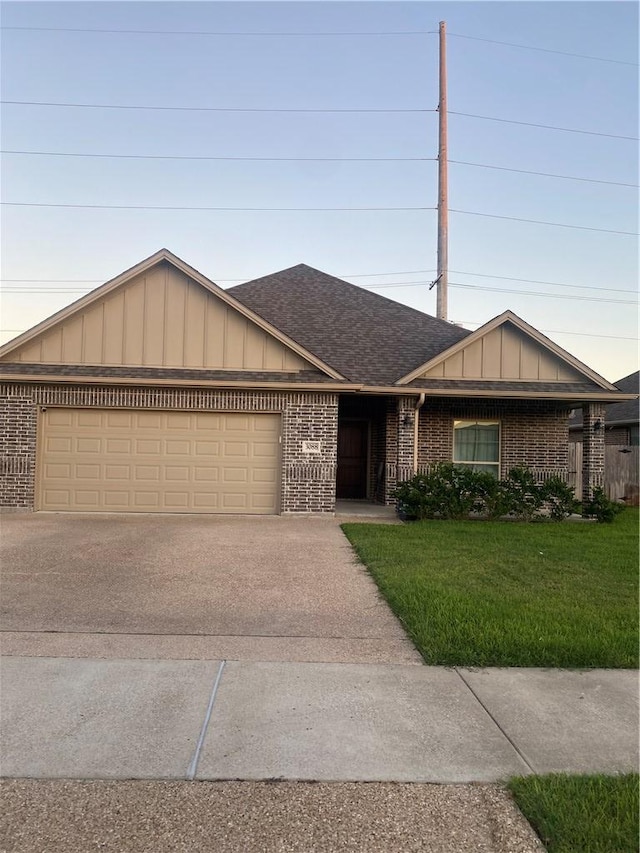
(95,460)
(161,319)
(504,353)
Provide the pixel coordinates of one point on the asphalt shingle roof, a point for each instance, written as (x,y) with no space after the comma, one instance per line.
(366,337)
(624,412)
(26,369)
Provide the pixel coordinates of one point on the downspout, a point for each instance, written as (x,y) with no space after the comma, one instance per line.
(416,418)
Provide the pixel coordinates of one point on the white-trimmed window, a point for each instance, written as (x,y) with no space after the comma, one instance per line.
(476,445)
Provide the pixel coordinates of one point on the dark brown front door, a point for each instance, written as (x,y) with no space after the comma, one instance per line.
(352,460)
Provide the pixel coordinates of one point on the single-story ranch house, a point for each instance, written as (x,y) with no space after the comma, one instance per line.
(161,392)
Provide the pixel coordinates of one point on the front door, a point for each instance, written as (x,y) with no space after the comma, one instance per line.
(351,480)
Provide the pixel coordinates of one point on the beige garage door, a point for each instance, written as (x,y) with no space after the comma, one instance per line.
(137,461)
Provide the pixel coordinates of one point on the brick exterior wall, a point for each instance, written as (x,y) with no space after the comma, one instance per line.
(532,432)
(17,448)
(592,449)
(399,420)
(308,481)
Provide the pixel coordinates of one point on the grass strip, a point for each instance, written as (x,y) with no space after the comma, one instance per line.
(473,593)
(589,814)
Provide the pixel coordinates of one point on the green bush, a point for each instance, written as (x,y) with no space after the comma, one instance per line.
(601,508)
(524,493)
(494,501)
(444,492)
(559,498)
(449,491)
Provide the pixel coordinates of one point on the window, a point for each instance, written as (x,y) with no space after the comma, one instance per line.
(476,445)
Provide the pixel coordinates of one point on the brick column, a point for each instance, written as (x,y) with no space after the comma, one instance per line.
(406,416)
(592,449)
(399,445)
(391,450)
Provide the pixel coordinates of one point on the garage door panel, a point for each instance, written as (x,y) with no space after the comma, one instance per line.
(263,475)
(88,418)
(123,420)
(235,475)
(207,448)
(147,446)
(88,445)
(149,420)
(62,445)
(205,501)
(84,472)
(159,461)
(117,472)
(236,449)
(172,473)
(146,472)
(180,422)
(262,450)
(117,446)
(84,499)
(148,501)
(206,474)
(59,471)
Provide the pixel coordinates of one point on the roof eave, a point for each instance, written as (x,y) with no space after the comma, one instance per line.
(191,272)
(524,327)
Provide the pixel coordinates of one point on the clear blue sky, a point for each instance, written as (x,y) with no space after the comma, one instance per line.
(372,248)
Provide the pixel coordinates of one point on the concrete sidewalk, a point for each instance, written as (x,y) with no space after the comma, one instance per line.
(214,720)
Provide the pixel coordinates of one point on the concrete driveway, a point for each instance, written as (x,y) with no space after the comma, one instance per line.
(188,586)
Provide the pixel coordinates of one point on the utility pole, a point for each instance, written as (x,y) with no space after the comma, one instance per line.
(443,185)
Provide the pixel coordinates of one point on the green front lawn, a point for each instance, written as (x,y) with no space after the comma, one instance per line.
(473,593)
(590,814)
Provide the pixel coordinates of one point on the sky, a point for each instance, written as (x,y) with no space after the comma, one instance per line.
(331,105)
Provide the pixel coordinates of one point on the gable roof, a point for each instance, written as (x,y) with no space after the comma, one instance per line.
(566,367)
(364,336)
(626,412)
(27,347)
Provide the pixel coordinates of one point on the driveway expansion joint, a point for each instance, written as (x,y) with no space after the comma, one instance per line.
(193,766)
(494,720)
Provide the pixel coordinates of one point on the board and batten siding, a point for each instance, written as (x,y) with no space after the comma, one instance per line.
(162,318)
(504,353)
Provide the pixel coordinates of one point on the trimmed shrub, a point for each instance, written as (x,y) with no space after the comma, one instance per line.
(450,491)
(601,508)
(524,494)
(559,498)
(446,491)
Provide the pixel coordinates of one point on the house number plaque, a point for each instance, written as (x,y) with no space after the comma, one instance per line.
(312,447)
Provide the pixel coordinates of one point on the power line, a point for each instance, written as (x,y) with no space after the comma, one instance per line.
(229,209)
(342,275)
(101,280)
(543,222)
(223,32)
(563,332)
(545,50)
(537,281)
(544,126)
(206,157)
(309,110)
(403,284)
(483,289)
(305,160)
(210,109)
(543,174)
(304,209)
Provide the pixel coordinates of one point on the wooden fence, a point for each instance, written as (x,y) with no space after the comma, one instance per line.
(620,469)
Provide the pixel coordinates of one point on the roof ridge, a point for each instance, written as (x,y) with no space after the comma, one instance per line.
(349,284)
